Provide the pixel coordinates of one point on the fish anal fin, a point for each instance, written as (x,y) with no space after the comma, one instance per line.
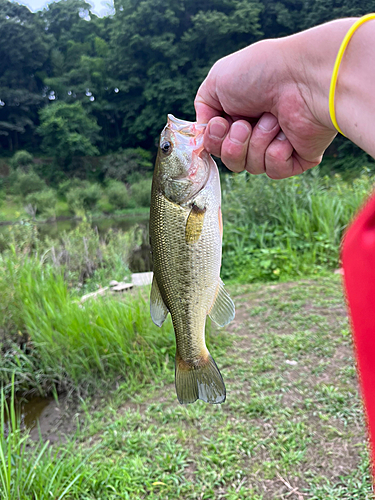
(201,380)
(222,311)
(194,224)
(158,309)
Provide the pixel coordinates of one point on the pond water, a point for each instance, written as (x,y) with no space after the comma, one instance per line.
(54,229)
(140,261)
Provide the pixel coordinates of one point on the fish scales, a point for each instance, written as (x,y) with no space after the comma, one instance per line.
(185,232)
(186,274)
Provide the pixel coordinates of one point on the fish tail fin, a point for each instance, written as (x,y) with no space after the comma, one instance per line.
(199,381)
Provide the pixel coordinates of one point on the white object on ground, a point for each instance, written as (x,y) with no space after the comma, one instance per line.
(140,279)
(121,287)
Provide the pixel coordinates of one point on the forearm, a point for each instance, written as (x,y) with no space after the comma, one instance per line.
(312,64)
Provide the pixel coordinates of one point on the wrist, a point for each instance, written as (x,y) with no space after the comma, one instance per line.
(314,54)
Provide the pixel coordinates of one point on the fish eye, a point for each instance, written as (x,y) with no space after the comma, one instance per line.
(166,147)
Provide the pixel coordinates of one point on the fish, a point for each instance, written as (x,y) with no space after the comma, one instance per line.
(186,231)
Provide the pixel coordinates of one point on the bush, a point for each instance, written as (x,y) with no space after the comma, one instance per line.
(25,183)
(125,163)
(22,159)
(85,197)
(141,193)
(65,186)
(118,195)
(284,229)
(43,202)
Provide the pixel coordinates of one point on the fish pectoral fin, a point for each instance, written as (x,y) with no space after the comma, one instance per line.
(158,309)
(202,381)
(222,310)
(194,224)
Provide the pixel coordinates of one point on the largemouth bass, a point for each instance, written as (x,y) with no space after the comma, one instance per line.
(186,238)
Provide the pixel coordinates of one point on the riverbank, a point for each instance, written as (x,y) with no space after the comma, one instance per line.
(292,420)
(119,214)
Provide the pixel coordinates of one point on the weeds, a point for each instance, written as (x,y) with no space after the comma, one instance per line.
(73,345)
(284,229)
(34,471)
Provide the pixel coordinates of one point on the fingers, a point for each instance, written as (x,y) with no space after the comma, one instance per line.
(235,145)
(264,149)
(216,131)
(263,134)
(278,160)
(282,161)
(230,142)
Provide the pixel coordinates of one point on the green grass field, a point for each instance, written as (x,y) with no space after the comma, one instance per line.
(292,426)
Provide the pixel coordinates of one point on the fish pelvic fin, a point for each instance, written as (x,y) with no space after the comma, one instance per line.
(199,381)
(158,309)
(222,311)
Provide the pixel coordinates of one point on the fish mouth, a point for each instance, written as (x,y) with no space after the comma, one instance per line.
(187,133)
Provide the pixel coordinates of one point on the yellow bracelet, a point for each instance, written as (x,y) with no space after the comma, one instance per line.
(332,88)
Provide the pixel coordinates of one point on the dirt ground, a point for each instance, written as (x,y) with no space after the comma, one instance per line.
(292,426)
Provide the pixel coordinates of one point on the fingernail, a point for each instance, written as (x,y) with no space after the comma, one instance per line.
(281,136)
(267,122)
(217,130)
(239,133)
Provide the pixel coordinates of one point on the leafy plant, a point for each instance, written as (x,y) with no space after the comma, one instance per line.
(68,131)
(118,195)
(278,229)
(22,159)
(85,197)
(43,201)
(27,182)
(126,163)
(141,193)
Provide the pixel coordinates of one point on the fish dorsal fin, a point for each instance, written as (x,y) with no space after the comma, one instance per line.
(222,310)
(158,309)
(194,224)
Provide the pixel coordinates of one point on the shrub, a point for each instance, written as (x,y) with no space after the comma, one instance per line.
(85,197)
(25,183)
(125,163)
(69,184)
(282,229)
(118,195)
(44,202)
(141,193)
(22,159)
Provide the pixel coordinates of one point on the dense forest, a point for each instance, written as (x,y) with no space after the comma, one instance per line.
(73,84)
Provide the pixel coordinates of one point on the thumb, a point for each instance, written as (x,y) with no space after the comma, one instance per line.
(206,103)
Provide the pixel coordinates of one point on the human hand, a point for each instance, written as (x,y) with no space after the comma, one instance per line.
(265,112)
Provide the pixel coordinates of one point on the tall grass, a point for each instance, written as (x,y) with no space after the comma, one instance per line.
(283,229)
(78,346)
(33,470)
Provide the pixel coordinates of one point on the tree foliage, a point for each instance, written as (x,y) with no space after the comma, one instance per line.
(120,75)
(67,131)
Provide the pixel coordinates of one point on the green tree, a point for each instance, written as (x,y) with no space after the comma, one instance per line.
(125,164)
(23,55)
(68,131)
(161,51)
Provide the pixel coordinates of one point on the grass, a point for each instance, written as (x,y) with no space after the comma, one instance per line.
(74,346)
(278,230)
(12,210)
(292,424)
(36,471)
